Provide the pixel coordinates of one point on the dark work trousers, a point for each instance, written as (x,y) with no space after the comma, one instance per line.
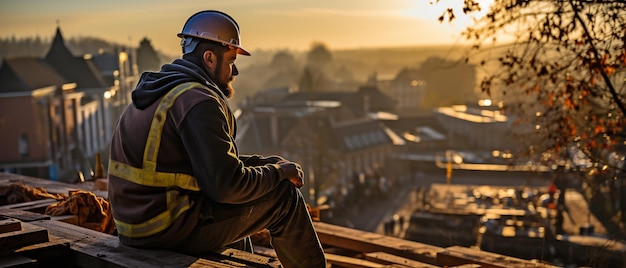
(282,211)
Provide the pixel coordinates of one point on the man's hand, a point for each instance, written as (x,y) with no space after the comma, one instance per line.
(293,172)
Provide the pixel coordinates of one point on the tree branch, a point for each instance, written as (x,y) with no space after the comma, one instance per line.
(606,78)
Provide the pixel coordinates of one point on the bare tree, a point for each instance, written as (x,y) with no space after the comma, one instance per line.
(147,57)
(319,56)
(563,70)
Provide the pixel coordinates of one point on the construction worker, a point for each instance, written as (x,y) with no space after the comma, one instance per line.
(176,180)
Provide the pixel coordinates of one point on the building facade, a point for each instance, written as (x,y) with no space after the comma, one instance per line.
(58,112)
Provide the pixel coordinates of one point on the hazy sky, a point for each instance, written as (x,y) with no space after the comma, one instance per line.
(265,24)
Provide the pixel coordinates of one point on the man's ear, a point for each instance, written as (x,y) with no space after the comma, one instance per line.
(209,59)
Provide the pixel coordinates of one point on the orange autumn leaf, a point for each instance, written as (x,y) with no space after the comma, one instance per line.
(604,59)
(550,99)
(599,129)
(585,92)
(569,104)
(609,70)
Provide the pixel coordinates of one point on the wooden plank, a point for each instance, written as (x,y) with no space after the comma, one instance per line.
(15,260)
(27,235)
(9,225)
(244,257)
(349,262)
(54,187)
(34,203)
(24,216)
(334,259)
(345,261)
(386,258)
(96,249)
(53,248)
(37,206)
(50,186)
(264,251)
(204,263)
(456,255)
(365,242)
(73,219)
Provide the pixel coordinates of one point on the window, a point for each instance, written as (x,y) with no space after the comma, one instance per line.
(23,146)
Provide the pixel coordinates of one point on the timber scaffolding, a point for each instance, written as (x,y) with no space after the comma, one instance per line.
(29,238)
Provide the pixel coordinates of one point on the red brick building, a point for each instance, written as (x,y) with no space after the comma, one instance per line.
(57,112)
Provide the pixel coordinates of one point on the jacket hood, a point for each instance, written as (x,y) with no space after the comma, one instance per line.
(153,85)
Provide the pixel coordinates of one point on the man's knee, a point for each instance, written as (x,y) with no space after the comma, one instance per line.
(289,192)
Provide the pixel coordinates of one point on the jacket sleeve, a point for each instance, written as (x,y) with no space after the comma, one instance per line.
(216,165)
(250,160)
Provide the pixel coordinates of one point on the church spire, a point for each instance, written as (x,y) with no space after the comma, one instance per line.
(58,48)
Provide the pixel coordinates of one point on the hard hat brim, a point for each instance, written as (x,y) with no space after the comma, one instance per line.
(240,50)
(243,52)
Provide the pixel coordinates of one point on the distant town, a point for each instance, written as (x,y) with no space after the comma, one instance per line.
(399,145)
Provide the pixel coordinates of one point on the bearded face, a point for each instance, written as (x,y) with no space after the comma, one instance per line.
(226,87)
(225,72)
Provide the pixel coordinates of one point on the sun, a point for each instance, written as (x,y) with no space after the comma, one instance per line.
(432,10)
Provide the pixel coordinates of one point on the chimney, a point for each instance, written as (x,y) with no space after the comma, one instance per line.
(274,128)
(366,104)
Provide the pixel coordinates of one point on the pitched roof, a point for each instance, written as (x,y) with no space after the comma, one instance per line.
(17,75)
(254,133)
(363,134)
(58,49)
(107,63)
(412,123)
(76,69)
(298,97)
(366,99)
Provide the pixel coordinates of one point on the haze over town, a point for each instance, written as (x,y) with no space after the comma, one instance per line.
(401,127)
(265,24)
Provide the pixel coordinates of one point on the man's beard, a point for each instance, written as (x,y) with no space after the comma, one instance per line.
(227,88)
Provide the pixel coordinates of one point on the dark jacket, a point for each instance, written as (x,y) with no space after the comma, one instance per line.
(198,139)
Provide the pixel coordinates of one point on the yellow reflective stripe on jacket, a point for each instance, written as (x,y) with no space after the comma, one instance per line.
(158,223)
(148,176)
(154,179)
(158,120)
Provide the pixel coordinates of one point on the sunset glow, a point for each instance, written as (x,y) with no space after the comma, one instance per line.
(265,24)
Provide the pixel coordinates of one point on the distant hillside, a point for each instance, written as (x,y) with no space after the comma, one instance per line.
(384,61)
(258,73)
(388,61)
(381,58)
(365,61)
(38,47)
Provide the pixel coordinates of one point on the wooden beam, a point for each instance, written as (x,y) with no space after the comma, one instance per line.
(14,260)
(386,258)
(456,255)
(333,259)
(349,262)
(34,203)
(9,225)
(54,248)
(27,235)
(96,249)
(366,242)
(24,216)
(54,187)
(37,206)
(253,260)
